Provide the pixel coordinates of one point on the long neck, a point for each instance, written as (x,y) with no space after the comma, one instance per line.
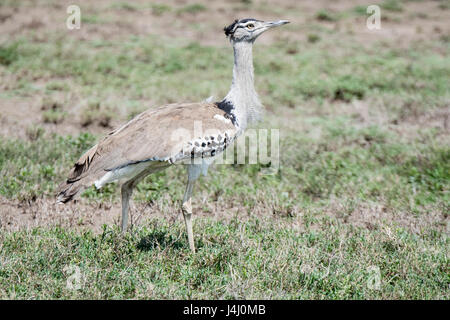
(242,95)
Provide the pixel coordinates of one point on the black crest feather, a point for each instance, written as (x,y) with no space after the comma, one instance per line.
(228,30)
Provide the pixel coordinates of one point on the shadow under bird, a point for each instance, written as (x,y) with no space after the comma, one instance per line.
(159,138)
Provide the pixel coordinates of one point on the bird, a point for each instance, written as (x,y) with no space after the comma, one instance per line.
(165,136)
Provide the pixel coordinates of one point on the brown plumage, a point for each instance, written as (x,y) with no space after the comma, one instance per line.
(174,133)
(163,135)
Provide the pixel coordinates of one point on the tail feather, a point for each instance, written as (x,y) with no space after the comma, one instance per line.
(68,191)
(78,179)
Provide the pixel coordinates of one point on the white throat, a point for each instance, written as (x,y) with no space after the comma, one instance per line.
(246,106)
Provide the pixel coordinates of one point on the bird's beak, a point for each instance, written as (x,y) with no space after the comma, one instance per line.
(273,24)
(268,25)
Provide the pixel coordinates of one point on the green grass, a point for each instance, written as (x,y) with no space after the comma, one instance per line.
(254,259)
(8,54)
(313,38)
(125,6)
(444,5)
(192,8)
(159,9)
(363,183)
(313,73)
(360,10)
(392,5)
(30,169)
(326,15)
(369,164)
(91,19)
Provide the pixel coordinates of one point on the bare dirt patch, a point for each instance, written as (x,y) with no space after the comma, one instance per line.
(20,115)
(15,215)
(113,20)
(85,215)
(376,216)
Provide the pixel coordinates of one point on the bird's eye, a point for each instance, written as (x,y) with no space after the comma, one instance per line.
(250,26)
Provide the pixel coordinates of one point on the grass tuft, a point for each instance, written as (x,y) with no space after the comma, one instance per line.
(192,8)
(9,54)
(392,5)
(326,15)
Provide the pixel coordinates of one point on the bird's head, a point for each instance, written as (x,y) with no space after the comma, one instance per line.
(249,29)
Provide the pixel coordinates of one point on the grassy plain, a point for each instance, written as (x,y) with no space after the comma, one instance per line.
(358,209)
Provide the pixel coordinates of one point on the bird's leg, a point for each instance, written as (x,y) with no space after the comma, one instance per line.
(186,207)
(127,190)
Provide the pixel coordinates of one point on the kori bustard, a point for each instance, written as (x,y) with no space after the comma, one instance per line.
(161,137)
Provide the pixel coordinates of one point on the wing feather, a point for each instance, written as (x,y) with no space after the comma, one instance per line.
(162,134)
